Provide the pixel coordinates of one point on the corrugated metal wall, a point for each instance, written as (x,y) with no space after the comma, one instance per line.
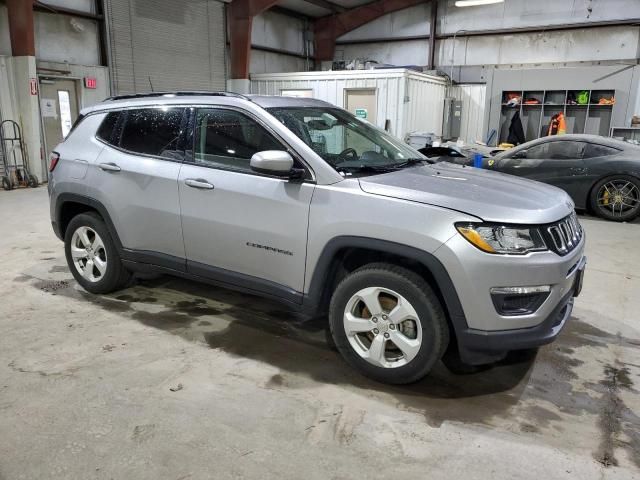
(178,45)
(422,111)
(473,110)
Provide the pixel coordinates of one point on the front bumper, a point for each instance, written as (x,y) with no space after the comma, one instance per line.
(485,336)
(477,347)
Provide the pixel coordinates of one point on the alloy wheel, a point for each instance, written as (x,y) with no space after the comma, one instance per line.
(382,327)
(89,254)
(618,196)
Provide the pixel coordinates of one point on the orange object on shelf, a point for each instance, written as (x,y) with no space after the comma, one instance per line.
(607,101)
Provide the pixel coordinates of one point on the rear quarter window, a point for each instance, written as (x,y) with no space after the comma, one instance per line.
(595,150)
(107,127)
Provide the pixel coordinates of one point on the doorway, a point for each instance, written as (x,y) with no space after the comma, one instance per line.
(362,103)
(58,109)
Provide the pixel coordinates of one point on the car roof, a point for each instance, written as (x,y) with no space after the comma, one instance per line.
(578,137)
(200,97)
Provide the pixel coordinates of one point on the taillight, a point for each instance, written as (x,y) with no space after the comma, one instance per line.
(54,158)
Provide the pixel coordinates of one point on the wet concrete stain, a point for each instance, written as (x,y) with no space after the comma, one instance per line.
(59,269)
(517,388)
(50,286)
(22,278)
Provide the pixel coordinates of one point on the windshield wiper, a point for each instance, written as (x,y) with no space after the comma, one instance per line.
(366,168)
(410,162)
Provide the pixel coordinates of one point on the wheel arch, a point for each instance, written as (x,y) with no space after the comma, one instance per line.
(604,177)
(346,253)
(68,205)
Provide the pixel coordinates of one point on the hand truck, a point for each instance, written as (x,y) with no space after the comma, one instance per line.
(14,158)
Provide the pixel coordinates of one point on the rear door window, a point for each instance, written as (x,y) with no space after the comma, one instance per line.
(153,131)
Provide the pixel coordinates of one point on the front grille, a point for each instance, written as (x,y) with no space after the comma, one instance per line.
(565,235)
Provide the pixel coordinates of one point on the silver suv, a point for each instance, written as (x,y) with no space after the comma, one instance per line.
(297,200)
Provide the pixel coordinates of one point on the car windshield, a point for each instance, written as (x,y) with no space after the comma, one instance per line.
(345,142)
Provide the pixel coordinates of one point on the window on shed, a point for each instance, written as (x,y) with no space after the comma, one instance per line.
(153,131)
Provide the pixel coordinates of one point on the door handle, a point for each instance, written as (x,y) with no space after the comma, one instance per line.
(109,167)
(198,183)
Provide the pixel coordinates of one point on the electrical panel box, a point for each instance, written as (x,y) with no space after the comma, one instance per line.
(452,116)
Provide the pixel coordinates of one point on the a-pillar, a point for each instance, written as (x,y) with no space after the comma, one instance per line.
(25,80)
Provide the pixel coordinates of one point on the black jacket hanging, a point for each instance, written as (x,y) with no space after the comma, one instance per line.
(516,132)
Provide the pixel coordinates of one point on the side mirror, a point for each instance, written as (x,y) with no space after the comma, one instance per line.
(520,154)
(274,162)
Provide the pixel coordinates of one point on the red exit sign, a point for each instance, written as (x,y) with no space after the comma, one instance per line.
(90,82)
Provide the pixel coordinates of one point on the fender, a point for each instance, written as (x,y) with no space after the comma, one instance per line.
(313,298)
(89,202)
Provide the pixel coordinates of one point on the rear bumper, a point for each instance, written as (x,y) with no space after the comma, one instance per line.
(56,229)
(479,347)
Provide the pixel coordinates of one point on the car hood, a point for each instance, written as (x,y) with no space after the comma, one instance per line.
(491,196)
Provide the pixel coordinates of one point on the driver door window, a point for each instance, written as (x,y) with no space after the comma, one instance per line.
(565,150)
(228,139)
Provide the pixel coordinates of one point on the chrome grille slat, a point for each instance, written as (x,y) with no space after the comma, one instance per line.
(565,234)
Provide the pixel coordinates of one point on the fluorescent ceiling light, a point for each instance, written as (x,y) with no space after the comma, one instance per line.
(473,3)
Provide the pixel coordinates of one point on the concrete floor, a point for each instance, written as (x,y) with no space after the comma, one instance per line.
(170,379)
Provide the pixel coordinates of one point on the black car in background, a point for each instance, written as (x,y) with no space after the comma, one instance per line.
(601,174)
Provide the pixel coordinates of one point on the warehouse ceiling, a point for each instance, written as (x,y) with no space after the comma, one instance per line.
(320,8)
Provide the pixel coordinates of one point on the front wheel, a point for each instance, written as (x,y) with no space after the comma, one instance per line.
(92,255)
(388,324)
(616,198)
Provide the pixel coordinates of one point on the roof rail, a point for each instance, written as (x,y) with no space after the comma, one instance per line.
(175,94)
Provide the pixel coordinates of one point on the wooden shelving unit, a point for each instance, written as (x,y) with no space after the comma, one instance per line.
(591,117)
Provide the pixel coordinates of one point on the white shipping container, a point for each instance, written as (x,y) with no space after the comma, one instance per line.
(411,101)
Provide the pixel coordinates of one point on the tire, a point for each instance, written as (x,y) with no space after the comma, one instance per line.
(106,273)
(33,181)
(424,333)
(6,183)
(616,198)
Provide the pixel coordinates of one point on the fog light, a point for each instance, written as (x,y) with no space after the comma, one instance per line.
(510,301)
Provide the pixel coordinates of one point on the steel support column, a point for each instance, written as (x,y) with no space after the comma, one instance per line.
(432,35)
(240,15)
(23,42)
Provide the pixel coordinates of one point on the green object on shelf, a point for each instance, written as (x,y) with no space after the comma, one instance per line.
(583,97)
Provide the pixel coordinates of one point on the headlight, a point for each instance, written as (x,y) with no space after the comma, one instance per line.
(502,239)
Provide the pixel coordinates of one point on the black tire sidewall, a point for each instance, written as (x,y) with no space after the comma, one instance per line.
(113,277)
(435,333)
(604,213)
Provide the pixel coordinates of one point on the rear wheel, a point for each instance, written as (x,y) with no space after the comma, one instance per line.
(33,181)
(6,183)
(617,198)
(92,256)
(387,323)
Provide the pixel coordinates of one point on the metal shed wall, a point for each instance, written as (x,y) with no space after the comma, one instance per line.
(410,100)
(473,109)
